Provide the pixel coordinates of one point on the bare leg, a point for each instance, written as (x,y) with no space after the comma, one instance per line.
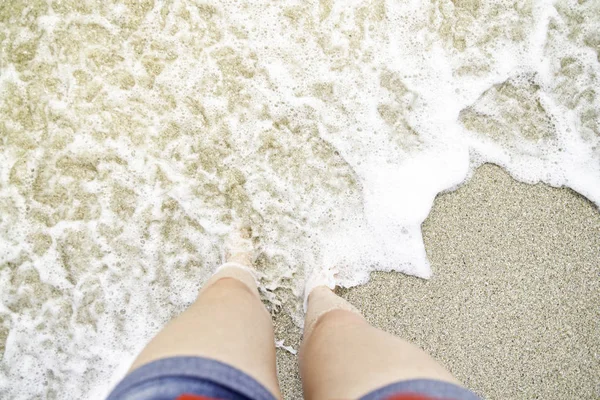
(228,323)
(342,356)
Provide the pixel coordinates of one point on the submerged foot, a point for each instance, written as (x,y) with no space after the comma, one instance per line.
(239,248)
(238,259)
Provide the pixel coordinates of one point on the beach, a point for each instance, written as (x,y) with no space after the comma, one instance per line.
(512,307)
(137,136)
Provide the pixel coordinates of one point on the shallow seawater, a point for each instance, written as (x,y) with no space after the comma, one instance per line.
(134,134)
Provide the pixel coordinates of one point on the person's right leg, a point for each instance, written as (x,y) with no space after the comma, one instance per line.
(342,356)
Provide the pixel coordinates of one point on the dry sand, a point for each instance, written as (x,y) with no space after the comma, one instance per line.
(513,308)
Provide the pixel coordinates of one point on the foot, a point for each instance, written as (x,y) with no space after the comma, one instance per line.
(320,276)
(238,257)
(239,248)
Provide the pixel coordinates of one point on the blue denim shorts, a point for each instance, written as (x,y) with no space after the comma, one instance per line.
(169,378)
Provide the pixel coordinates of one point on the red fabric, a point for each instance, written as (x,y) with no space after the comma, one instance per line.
(194,397)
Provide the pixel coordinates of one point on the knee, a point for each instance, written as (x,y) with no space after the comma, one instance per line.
(227,287)
(331,327)
(231,291)
(338,318)
(329,331)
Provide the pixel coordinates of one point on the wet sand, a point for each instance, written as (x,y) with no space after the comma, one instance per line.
(513,308)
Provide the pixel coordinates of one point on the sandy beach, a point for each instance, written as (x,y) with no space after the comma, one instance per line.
(512,308)
(136,136)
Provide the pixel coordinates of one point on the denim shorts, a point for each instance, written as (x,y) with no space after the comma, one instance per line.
(169,378)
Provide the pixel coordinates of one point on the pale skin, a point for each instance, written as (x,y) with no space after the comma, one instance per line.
(341,356)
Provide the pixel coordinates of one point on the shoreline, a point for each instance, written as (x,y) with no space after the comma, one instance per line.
(513,298)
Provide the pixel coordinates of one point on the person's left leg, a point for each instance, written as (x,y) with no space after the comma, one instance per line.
(228,323)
